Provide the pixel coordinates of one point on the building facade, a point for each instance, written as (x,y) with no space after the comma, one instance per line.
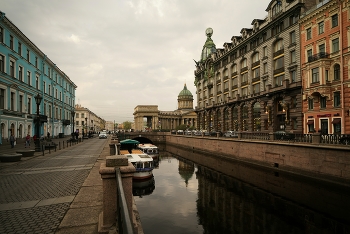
(253,83)
(325,41)
(25,72)
(87,121)
(166,120)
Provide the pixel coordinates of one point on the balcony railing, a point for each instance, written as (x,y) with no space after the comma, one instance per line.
(281,51)
(318,56)
(244,69)
(257,63)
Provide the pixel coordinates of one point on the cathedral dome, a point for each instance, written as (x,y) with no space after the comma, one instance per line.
(185,92)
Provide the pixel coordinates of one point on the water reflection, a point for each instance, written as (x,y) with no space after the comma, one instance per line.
(143,187)
(194,196)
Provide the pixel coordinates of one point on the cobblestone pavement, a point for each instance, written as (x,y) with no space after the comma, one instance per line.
(36,192)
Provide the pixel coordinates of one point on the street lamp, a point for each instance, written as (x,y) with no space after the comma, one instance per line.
(73,114)
(38,99)
(86,125)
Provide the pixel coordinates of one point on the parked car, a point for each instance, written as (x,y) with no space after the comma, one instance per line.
(102,135)
(345,140)
(214,133)
(181,132)
(230,134)
(188,132)
(197,133)
(283,135)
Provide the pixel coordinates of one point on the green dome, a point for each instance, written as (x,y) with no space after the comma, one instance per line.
(185,92)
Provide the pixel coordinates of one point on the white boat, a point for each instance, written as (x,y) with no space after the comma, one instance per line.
(149,149)
(142,162)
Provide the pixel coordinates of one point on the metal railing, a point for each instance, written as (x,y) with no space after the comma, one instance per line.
(123,217)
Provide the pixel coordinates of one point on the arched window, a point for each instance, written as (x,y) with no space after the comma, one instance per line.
(218,120)
(226,119)
(234,68)
(336,72)
(245,118)
(235,118)
(278,46)
(256,117)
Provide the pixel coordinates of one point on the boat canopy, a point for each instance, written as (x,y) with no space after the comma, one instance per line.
(129,142)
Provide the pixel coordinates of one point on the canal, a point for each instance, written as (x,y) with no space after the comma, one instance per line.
(189,194)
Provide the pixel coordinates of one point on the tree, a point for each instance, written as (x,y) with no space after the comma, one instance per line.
(127,125)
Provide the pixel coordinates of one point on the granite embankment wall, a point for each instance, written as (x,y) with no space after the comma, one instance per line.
(320,160)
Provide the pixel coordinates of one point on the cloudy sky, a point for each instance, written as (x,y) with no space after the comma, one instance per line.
(124,53)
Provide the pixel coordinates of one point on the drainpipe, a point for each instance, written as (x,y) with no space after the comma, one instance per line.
(341,67)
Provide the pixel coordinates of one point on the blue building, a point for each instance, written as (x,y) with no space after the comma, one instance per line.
(25,71)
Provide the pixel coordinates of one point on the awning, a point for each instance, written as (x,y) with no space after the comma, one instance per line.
(310,121)
(336,121)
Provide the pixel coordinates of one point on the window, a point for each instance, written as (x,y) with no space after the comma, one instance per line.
(36,62)
(244,77)
(293,76)
(82,115)
(29,105)
(49,72)
(265,68)
(322,50)
(320,27)
(293,19)
(315,76)
(2,98)
(28,78)
(323,102)
(44,86)
(308,34)
(278,80)
(56,93)
(50,111)
(256,73)
(12,68)
(28,56)
(255,57)
(256,88)
(334,20)
(2,63)
(77,115)
(311,126)
(292,37)
(335,45)
(13,101)
(337,125)
(293,102)
(21,103)
(336,99)
(244,63)
(1,35)
(36,82)
(20,73)
(265,51)
(279,63)
(292,56)
(336,72)
(310,104)
(309,55)
(294,123)
(11,42)
(20,48)
(245,92)
(49,91)
(327,77)
(278,46)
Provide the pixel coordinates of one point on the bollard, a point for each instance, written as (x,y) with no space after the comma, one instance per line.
(43,150)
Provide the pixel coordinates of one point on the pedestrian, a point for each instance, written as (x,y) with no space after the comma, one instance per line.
(48,135)
(27,141)
(12,140)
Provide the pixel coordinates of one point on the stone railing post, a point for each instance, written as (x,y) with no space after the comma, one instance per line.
(239,134)
(316,138)
(272,136)
(109,213)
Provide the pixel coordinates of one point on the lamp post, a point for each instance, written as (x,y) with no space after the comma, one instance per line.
(86,125)
(73,114)
(38,99)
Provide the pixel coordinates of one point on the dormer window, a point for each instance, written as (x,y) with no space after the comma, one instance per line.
(277,8)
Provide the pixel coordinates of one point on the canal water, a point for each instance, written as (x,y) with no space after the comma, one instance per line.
(186,197)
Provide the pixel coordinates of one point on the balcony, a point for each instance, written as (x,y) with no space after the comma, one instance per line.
(244,69)
(318,56)
(257,63)
(234,74)
(234,86)
(277,53)
(244,83)
(225,77)
(279,70)
(256,79)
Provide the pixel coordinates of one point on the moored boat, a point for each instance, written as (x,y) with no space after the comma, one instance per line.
(149,149)
(142,162)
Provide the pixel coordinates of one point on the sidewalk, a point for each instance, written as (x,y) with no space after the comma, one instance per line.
(83,213)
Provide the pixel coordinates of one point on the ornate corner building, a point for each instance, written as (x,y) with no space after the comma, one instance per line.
(166,120)
(254,82)
(325,41)
(25,71)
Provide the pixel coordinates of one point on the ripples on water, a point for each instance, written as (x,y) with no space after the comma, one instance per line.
(184,197)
